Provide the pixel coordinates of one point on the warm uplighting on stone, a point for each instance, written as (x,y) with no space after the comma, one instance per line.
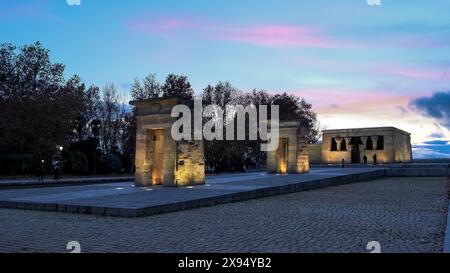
(282,167)
(160,160)
(292,155)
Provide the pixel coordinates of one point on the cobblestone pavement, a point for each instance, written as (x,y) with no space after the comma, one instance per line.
(403,214)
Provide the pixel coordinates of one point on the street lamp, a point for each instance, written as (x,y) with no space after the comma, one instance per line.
(57,168)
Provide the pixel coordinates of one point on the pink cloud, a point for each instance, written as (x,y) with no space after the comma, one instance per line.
(261,35)
(163,25)
(346,101)
(277,35)
(386,68)
(417,73)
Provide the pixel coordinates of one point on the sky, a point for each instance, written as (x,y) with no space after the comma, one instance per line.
(359,65)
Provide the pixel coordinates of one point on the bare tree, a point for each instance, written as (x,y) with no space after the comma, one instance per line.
(152,89)
(148,89)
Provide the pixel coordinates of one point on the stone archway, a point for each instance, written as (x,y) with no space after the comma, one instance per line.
(160,160)
(292,155)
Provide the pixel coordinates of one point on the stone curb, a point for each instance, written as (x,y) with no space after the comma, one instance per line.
(418,172)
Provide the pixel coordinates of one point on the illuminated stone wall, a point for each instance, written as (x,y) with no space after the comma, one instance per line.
(160,160)
(190,163)
(292,155)
(315,153)
(155,151)
(402,148)
(395,148)
(302,154)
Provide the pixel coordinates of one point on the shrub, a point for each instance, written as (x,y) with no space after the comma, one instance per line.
(16,164)
(110,164)
(80,162)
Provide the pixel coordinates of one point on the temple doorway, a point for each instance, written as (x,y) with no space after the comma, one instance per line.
(283,155)
(157,156)
(356,155)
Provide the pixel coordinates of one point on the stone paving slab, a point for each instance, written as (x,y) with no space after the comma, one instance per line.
(126,200)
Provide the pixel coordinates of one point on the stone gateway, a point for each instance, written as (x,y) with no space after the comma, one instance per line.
(160,160)
(292,155)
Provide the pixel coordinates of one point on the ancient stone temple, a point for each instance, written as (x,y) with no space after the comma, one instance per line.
(366,145)
(160,160)
(292,155)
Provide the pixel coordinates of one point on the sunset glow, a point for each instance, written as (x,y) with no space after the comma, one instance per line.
(359,65)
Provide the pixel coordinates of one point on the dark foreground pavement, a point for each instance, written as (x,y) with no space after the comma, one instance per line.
(402,214)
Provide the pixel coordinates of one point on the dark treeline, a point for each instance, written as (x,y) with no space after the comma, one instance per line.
(236,155)
(41,111)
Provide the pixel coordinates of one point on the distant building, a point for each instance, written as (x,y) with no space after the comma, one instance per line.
(364,145)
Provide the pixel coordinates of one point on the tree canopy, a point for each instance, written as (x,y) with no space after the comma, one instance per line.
(237,155)
(177,85)
(40,110)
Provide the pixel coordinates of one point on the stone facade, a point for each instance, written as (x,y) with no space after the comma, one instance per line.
(315,152)
(366,145)
(160,160)
(292,155)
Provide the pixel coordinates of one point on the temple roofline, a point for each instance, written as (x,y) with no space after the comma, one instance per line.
(335,131)
(174,100)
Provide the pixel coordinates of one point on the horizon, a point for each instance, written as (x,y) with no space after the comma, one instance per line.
(359,65)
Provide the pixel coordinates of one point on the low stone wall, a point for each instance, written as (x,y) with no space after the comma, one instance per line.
(417,172)
(402,170)
(420,165)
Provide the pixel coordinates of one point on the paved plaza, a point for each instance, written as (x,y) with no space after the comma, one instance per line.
(127,200)
(403,214)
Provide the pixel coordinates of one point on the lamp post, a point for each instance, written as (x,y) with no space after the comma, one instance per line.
(58,168)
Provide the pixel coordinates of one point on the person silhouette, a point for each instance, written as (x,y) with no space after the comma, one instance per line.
(343,163)
(55,166)
(365,159)
(375,159)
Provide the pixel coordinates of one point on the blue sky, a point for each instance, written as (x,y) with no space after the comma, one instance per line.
(359,65)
